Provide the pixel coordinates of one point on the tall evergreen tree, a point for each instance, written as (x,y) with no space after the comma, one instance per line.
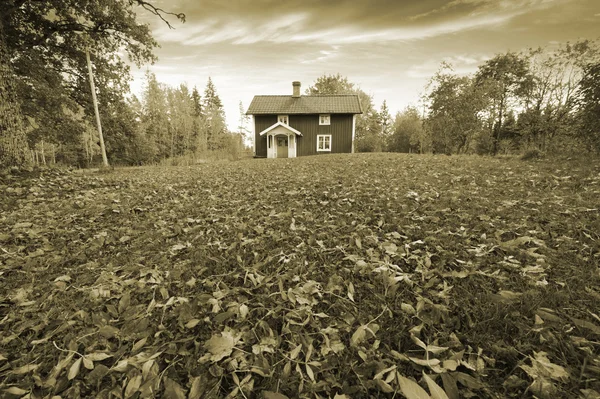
(385,121)
(214,117)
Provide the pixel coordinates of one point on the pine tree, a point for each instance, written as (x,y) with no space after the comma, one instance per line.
(385,121)
(214,117)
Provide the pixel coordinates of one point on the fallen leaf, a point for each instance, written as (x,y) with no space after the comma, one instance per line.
(411,389)
(25,369)
(436,391)
(173,390)
(97,356)
(74,369)
(221,346)
(133,386)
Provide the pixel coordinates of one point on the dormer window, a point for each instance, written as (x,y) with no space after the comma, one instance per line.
(324,119)
(283,119)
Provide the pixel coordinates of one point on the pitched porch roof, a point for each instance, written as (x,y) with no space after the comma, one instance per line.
(283,125)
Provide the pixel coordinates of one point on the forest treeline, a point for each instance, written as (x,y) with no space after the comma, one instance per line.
(545,99)
(46,111)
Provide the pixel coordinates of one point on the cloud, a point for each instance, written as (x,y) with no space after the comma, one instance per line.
(462,64)
(338,22)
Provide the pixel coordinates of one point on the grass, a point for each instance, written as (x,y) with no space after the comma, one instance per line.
(347,275)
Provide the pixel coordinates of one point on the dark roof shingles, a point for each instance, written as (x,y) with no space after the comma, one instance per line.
(319,104)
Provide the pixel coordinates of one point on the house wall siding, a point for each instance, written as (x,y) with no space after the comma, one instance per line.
(340,130)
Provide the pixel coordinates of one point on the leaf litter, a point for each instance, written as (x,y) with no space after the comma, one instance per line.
(373,275)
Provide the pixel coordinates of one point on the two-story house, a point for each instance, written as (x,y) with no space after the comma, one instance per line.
(296,125)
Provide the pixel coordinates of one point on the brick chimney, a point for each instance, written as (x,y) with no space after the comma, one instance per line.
(296,86)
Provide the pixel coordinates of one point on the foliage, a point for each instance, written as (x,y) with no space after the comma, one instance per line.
(368,136)
(515,102)
(456,106)
(506,80)
(345,276)
(590,105)
(407,134)
(13,142)
(47,42)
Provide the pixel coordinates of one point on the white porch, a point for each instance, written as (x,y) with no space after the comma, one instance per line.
(282,141)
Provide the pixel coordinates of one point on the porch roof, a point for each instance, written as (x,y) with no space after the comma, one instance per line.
(283,125)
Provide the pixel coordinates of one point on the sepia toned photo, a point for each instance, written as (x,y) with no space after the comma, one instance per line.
(319,199)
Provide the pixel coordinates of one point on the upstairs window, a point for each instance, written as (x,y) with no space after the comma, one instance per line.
(324,142)
(325,119)
(283,119)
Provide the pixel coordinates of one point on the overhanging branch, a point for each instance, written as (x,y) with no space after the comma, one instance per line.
(159,12)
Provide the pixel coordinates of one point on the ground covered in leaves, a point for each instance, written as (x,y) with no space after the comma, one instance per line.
(350,276)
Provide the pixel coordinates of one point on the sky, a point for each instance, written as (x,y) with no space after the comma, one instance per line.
(389,48)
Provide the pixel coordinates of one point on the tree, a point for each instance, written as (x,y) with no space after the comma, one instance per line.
(155,117)
(506,78)
(406,132)
(368,129)
(551,101)
(214,116)
(181,118)
(243,129)
(47,41)
(589,93)
(13,142)
(456,105)
(385,121)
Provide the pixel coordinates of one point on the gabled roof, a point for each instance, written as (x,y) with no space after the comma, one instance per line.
(291,129)
(315,104)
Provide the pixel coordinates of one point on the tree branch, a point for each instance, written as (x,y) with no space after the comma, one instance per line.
(159,12)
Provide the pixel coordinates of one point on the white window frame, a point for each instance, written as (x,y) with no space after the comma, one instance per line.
(323,149)
(325,122)
(285,119)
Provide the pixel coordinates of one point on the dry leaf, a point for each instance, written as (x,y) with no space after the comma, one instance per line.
(87,363)
(97,356)
(25,369)
(74,370)
(173,390)
(16,391)
(310,373)
(197,388)
(221,346)
(359,336)
(295,352)
(133,386)
(192,323)
(436,391)
(411,389)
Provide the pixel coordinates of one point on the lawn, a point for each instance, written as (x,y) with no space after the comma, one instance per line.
(346,276)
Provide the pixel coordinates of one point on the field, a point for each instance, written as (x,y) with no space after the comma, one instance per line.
(350,276)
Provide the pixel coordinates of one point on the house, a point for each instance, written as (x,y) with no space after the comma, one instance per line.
(296,125)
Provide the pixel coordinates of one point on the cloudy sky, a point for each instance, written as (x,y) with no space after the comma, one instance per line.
(390,48)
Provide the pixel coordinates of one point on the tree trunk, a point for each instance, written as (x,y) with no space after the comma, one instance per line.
(95,102)
(14,150)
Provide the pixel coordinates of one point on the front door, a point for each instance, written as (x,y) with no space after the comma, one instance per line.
(282,147)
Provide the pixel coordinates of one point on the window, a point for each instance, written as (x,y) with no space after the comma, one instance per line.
(269,141)
(324,119)
(283,119)
(324,142)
